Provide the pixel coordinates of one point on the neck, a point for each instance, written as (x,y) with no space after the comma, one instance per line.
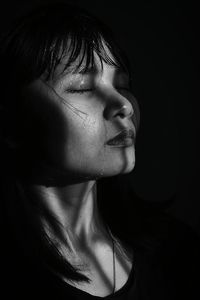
(74,207)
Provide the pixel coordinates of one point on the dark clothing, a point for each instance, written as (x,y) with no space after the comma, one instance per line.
(166,268)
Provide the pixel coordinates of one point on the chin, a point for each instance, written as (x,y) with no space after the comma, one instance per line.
(127,161)
(118,169)
(128,168)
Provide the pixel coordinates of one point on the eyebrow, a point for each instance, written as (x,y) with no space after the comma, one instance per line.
(74,70)
(92,70)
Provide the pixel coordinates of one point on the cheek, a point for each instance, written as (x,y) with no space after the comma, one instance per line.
(68,136)
(83,151)
(85,139)
(87,154)
(78,142)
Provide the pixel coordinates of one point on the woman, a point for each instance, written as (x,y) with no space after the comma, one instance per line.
(68,123)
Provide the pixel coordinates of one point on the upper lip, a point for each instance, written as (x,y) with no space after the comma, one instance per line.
(126,133)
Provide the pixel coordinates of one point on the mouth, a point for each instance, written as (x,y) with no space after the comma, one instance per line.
(125,138)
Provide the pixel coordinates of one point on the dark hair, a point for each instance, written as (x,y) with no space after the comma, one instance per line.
(37,42)
(34,45)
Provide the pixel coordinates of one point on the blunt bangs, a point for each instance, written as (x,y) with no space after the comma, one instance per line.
(80,40)
(39,41)
(75,47)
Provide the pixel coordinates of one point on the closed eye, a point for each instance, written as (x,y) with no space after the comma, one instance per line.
(79,91)
(88,90)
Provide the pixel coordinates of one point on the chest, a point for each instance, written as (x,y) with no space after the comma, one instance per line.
(108,270)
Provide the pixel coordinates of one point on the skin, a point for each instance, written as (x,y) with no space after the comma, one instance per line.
(75,123)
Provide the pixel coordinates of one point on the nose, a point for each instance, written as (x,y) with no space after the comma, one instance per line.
(118,106)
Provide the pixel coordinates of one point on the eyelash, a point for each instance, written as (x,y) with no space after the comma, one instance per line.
(81,91)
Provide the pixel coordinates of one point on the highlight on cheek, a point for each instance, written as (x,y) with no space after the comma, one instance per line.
(82,114)
(102,157)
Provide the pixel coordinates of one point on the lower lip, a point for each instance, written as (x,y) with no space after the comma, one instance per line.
(127,142)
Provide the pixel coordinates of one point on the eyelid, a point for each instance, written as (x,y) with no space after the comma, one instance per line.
(79,91)
(85,90)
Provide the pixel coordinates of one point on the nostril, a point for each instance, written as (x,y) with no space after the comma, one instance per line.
(122,111)
(125,111)
(118,107)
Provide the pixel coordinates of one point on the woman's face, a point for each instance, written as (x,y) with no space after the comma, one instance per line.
(71,118)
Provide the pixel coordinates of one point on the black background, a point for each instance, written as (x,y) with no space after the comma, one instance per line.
(161,41)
